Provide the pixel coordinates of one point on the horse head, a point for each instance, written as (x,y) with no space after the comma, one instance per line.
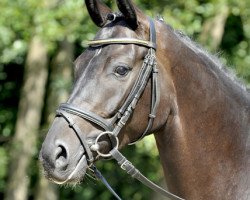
(109,83)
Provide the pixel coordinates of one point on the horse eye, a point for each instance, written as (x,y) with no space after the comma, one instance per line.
(122,70)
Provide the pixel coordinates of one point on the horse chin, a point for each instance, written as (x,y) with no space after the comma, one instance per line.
(71,176)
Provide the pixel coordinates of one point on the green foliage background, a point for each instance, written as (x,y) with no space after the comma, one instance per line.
(56,20)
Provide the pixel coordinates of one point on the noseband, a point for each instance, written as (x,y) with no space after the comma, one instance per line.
(113,127)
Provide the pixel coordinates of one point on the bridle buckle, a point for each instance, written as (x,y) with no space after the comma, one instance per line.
(124,164)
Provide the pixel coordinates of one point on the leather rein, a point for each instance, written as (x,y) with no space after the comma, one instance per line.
(112,128)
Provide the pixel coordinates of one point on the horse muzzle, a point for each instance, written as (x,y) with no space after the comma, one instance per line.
(67,152)
(62,155)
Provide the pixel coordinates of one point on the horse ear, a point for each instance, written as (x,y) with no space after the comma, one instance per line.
(97,11)
(129,11)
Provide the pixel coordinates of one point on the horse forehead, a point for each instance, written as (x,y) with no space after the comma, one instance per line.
(112,30)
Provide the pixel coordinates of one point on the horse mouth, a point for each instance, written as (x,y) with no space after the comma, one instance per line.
(72,174)
(77,174)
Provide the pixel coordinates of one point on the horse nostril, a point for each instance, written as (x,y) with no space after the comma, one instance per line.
(61,157)
(61,152)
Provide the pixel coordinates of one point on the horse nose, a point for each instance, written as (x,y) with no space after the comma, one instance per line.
(54,156)
(61,156)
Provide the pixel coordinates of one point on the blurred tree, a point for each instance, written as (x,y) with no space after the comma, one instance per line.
(28,120)
(213,27)
(60,80)
(47,26)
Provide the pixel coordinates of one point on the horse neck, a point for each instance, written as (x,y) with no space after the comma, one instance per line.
(203,148)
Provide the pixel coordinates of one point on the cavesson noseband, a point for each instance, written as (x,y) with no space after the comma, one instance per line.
(113,127)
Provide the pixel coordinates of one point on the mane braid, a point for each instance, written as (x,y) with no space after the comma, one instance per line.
(230,73)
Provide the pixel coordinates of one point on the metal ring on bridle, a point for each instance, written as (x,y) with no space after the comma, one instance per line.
(110,135)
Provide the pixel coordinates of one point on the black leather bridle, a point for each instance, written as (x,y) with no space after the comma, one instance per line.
(113,127)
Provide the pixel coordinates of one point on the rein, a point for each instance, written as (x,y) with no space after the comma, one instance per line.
(113,127)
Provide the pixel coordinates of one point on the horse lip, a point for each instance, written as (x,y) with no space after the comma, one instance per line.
(74,175)
(62,177)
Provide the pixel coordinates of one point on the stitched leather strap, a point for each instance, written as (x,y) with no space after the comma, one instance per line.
(101,42)
(149,44)
(152,32)
(132,100)
(135,173)
(78,132)
(90,116)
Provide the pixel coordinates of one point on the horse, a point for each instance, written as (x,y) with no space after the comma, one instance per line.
(139,76)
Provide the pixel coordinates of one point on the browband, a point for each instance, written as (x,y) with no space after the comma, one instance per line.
(149,44)
(96,43)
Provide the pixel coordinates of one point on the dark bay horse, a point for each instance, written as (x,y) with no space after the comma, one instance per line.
(199,114)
